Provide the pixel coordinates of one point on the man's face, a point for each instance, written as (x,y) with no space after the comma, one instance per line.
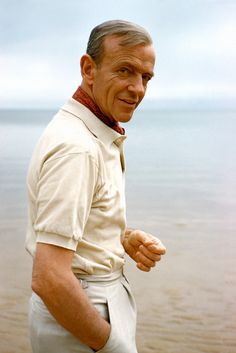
(120,80)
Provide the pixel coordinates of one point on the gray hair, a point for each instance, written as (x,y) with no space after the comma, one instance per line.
(131,33)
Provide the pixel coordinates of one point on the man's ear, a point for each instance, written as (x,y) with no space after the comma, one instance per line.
(87,67)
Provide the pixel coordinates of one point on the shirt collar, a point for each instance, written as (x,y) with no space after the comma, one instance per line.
(83,97)
(103,132)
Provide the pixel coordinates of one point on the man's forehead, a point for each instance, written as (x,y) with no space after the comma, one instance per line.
(114,53)
(112,46)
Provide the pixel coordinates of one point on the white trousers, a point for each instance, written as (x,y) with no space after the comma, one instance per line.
(112,297)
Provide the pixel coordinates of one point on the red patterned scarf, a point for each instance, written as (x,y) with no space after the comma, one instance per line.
(81,96)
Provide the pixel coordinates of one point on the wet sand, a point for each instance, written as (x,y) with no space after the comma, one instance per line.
(14,290)
(185,305)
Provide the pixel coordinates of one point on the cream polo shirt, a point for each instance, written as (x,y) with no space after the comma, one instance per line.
(76,190)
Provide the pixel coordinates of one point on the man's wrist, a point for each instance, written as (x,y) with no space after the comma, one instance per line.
(128,231)
(106,334)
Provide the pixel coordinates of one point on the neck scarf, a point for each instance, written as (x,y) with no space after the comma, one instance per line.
(81,96)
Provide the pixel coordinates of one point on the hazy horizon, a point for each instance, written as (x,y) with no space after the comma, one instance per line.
(149,103)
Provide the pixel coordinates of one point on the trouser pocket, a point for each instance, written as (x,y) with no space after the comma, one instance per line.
(122,317)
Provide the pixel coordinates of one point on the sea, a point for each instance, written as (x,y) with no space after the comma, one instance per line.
(180,187)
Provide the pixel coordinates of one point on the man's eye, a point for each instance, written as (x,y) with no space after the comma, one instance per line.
(124,71)
(146,78)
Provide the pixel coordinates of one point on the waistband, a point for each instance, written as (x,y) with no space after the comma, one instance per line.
(105,280)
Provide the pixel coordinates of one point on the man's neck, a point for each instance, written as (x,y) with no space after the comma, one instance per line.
(81,95)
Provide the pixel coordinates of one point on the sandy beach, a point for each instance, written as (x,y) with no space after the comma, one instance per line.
(187,304)
(181,308)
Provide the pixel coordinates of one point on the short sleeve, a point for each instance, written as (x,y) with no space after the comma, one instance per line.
(65,194)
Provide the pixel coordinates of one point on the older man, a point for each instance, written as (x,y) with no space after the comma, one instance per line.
(77,231)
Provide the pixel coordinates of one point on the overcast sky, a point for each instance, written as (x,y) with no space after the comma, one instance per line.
(41,42)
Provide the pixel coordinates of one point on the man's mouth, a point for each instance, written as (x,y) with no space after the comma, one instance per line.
(129,102)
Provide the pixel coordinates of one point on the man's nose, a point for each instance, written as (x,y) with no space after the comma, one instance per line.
(137,86)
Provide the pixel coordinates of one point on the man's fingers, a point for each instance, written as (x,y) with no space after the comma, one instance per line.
(149,254)
(156,248)
(143,259)
(143,268)
(138,237)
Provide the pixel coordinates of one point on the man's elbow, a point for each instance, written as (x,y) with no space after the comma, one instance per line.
(38,283)
(51,268)
(43,281)
(46,281)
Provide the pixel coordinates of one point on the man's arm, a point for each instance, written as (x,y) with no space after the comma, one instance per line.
(143,248)
(54,281)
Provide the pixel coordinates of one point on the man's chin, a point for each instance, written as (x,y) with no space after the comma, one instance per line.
(125,117)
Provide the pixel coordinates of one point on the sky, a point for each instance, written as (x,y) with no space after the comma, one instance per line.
(41,42)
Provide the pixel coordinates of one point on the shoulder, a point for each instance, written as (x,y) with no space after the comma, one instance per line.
(65,135)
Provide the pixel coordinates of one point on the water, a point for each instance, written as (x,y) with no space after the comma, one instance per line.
(181,186)
(184,164)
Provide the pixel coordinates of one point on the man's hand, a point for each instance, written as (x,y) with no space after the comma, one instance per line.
(143,248)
